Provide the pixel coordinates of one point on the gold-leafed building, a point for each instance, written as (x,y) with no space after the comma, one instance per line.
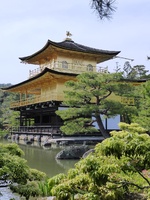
(42,93)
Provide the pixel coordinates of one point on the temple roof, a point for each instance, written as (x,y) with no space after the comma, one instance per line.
(48,71)
(70,45)
(37,77)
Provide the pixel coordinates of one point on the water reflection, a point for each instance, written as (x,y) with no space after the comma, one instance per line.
(43,159)
(66,163)
(39,158)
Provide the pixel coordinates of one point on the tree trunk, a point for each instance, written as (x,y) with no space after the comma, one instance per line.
(101,127)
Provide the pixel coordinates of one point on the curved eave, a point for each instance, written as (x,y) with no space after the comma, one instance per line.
(74,47)
(46,70)
(26,58)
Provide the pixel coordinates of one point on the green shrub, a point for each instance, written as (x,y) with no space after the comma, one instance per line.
(119,168)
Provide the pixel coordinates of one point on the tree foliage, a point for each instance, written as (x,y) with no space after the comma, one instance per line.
(14,168)
(143,101)
(118,169)
(104,8)
(89,101)
(135,72)
(7,116)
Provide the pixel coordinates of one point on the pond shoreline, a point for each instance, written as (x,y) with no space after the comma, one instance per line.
(42,159)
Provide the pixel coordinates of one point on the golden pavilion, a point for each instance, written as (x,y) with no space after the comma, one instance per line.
(42,93)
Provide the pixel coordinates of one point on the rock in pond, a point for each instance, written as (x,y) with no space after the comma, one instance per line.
(29,142)
(88,152)
(47,144)
(72,152)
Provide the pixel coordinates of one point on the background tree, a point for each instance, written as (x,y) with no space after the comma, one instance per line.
(89,102)
(8,117)
(143,103)
(141,94)
(135,72)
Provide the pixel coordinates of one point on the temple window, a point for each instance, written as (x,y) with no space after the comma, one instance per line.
(89,67)
(64,65)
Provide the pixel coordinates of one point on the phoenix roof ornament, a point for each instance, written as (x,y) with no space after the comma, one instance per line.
(68,34)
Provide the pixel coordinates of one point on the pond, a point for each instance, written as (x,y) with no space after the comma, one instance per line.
(42,159)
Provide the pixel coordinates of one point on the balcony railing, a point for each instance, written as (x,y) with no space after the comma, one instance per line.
(34,72)
(127,100)
(56,97)
(37,99)
(35,129)
(67,67)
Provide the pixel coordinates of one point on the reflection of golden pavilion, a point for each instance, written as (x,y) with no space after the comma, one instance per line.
(57,62)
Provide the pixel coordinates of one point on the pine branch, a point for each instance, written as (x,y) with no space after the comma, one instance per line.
(127,183)
(104,97)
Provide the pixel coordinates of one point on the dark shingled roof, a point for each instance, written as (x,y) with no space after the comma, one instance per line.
(68,44)
(40,75)
(71,45)
(61,73)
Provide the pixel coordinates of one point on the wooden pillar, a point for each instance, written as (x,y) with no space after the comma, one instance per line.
(41,119)
(106,123)
(20,98)
(21,122)
(26,96)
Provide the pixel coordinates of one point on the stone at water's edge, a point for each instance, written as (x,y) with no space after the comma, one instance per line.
(6,194)
(72,152)
(46,198)
(88,152)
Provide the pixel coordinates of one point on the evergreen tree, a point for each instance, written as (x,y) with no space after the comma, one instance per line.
(89,101)
(119,168)
(8,117)
(104,8)
(143,101)
(135,72)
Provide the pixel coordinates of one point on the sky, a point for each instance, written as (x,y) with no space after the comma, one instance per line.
(26,25)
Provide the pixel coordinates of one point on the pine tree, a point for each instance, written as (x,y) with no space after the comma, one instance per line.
(89,101)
